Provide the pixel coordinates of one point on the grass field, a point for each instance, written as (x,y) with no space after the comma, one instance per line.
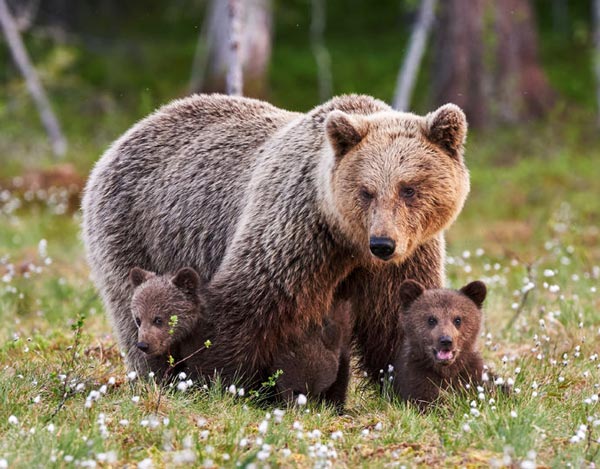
(530,230)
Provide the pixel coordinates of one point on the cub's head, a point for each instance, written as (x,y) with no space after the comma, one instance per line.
(165,308)
(397,179)
(441,324)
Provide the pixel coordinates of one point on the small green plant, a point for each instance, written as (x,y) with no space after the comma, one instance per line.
(267,385)
(173,324)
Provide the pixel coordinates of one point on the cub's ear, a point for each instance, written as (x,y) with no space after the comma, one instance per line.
(476,291)
(447,128)
(344,132)
(138,276)
(188,280)
(410,290)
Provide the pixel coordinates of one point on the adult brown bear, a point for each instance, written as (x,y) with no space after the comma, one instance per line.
(284,213)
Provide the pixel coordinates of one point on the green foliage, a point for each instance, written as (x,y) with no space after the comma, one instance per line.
(173,324)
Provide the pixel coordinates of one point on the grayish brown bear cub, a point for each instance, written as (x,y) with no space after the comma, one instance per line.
(440,330)
(169,311)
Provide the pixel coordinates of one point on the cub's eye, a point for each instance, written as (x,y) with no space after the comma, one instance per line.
(408,192)
(158,321)
(457,321)
(431,321)
(138,322)
(366,194)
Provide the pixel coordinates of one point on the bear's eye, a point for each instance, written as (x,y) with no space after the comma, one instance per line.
(432,321)
(457,321)
(158,320)
(138,322)
(408,192)
(366,194)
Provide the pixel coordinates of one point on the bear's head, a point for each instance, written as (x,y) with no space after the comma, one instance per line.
(441,324)
(165,308)
(397,179)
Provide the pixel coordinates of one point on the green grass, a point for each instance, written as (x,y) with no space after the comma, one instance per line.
(531,217)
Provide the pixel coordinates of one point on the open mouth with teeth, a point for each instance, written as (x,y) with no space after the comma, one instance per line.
(444,357)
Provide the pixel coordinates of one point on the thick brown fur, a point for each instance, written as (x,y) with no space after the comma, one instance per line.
(317,364)
(439,349)
(277,209)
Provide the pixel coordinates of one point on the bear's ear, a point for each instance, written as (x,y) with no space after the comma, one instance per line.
(410,290)
(344,132)
(447,128)
(138,276)
(187,280)
(476,291)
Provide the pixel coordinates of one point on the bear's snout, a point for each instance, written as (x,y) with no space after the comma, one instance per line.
(382,247)
(143,346)
(446,341)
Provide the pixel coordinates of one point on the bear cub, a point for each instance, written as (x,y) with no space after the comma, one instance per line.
(169,311)
(440,329)
(315,364)
(318,363)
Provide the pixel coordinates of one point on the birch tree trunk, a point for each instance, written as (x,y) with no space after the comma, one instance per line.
(317,41)
(234,69)
(17,49)
(212,58)
(407,75)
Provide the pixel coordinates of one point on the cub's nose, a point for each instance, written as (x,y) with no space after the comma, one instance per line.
(382,247)
(143,346)
(446,341)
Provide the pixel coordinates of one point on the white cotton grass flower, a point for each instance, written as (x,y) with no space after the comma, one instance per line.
(263,427)
(145,464)
(301,400)
(13,420)
(182,386)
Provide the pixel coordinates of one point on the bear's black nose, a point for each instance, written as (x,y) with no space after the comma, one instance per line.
(445,341)
(382,247)
(143,346)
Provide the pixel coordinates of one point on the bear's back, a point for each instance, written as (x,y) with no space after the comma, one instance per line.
(194,152)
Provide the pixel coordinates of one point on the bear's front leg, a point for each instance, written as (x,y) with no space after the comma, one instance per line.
(375,297)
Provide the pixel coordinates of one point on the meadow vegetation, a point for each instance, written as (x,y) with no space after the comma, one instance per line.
(529,230)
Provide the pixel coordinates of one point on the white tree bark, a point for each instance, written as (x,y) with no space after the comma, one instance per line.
(317,41)
(234,80)
(17,49)
(212,57)
(596,7)
(416,49)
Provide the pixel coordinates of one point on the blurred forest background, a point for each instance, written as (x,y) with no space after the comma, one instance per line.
(106,63)
(522,70)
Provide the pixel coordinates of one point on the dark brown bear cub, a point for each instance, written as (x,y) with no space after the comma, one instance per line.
(440,330)
(169,311)
(318,363)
